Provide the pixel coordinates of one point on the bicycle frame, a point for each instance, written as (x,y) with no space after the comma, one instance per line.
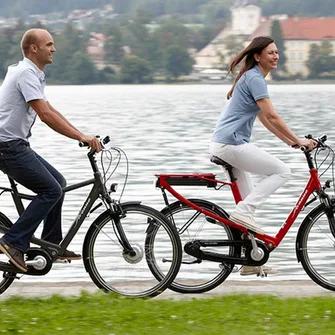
(97,189)
(313,185)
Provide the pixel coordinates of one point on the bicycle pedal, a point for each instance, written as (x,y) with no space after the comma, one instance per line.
(12,275)
(63,261)
(235,269)
(224,267)
(262,275)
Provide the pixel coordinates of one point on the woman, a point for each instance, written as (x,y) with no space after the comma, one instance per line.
(247,99)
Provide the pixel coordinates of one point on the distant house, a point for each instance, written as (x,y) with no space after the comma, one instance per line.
(245,20)
(298,33)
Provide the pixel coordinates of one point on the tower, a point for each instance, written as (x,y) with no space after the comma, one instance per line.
(245,17)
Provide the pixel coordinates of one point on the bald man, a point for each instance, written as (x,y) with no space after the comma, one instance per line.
(22,99)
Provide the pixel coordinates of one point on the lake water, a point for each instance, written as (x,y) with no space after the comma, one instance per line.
(168,129)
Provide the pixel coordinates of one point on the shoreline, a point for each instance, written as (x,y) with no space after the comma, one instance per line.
(204,82)
(280,288)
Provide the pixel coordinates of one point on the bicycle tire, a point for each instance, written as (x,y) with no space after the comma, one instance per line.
(7,278)
(113,271)
(315,247)
(205,275)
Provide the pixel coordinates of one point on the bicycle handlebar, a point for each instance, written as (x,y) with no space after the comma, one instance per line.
(104,141)
(321,142)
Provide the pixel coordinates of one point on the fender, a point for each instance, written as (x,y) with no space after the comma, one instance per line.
(220,210)
(165,210)
(106,212)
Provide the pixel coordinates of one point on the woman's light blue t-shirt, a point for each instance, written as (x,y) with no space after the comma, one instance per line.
(238,116)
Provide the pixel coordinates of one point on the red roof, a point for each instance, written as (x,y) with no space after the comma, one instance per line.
(307,28)
(301,28)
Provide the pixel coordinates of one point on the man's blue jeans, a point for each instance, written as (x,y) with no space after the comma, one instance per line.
(29,169)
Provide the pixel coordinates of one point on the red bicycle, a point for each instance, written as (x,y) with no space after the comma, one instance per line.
(198,221)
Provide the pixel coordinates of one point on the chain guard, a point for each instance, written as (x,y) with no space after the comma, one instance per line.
(194,249)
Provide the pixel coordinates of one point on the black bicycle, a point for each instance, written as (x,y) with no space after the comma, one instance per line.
(117,249)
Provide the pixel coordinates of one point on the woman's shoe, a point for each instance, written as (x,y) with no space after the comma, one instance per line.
(257,270)
(246,221)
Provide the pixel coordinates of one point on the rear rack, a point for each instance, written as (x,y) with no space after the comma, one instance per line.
(201,179)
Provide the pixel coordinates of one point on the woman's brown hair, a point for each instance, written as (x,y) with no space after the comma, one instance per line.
(256,46)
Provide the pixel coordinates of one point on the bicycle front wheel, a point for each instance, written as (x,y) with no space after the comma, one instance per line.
(6,278)
(196,275)
(315,247)
(113,270)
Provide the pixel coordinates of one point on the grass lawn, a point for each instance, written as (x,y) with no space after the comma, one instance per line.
(103,314)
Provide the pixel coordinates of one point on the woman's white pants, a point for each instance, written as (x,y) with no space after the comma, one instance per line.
(248,159)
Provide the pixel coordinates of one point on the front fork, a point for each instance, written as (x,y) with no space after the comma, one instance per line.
(329,204)
(330,215)
(116,213)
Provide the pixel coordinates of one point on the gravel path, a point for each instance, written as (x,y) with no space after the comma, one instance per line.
(289,288)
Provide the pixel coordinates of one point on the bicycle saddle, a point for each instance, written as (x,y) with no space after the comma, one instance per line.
(218,161)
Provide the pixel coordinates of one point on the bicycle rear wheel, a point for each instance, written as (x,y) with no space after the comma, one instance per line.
(315,247)
(6,278)
(195,275)
(113,270)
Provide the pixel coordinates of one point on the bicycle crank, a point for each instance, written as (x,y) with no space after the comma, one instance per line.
(39,262)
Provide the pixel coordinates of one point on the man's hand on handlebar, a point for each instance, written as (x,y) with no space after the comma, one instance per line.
(92,142)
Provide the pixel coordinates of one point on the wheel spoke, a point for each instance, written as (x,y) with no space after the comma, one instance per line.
(7,278)
(130,274)
(317,249)
(196,276)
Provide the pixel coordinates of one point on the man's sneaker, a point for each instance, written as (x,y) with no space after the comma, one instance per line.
(246,221)
(69,255)
(257,270)
(15,256)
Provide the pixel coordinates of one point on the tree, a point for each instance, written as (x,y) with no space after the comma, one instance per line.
(277,35)
(234,46)
(137,36)
(320,62)
(326,57)
(82,71)
(14,36)
(113,45)
(121,6)
(177,61)
(107,75)
(4,47)
(216,11)
(200,37)
(172,32)
(67,44)
(135,70)
(313,61)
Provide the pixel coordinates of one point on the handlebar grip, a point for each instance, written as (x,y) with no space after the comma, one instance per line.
(105,140)
(303,148)
(83,144)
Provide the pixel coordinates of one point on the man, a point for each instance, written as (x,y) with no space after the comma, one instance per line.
(21,100)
